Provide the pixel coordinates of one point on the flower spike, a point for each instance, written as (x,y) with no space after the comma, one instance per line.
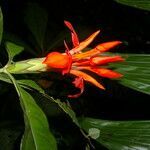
(75,61)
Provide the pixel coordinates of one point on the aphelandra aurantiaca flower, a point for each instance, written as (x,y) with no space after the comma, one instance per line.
(74,61)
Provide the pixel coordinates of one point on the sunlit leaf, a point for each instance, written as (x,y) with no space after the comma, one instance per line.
(142,4)
(1,25)
(13,50)
(120,135)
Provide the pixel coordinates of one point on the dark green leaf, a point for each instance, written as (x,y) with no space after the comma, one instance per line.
(119,135)
(8,137)
(141,4)
(1,25)
(13,50)
(136,71)
(19,41)
(36,18)
(66,108)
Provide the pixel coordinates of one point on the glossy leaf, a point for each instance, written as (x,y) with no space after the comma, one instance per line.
(13,50)
(1,25)
(141,4)
(136,71)
(120,135)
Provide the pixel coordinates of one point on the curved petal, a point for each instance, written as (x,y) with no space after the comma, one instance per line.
(79,83)
(86,77)
(85,43)
(75,39)
(103,72)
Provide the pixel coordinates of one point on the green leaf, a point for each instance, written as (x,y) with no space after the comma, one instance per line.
(25,83)
(13,50)
(120,135)
(68,111)
(135,70)
(4,77)
(141,4)
(66,108)
(30,84)
(36,19)
(27,141)
(1,25)
(36,119)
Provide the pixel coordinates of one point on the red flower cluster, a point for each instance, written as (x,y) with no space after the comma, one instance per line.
(74,61)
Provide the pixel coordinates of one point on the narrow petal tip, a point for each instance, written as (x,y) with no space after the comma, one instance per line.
(107,45)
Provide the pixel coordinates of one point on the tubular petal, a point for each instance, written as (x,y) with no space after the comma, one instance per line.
(100,60)
(75,39)
(89,53)
(86,77)
(82,63)
(85,43)
(79,83)
(107,45)
(103,72)
(97,50)
(57,60)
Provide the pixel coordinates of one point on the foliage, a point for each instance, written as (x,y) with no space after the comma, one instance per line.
(118,135)
(41,130)
(141,4)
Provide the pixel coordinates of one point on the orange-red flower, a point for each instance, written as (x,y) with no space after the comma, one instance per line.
(75,61)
